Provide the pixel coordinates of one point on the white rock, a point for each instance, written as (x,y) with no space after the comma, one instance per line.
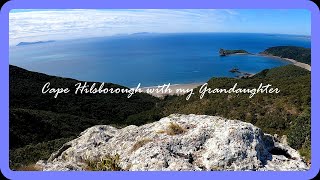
(208,143)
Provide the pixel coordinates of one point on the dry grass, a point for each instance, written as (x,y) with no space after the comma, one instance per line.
(161,132)
(30,167)
(173,129)
(128,167)
(139,144)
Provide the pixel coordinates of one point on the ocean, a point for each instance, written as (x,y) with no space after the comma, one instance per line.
(151,58)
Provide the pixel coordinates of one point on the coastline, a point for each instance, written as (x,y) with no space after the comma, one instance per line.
(190,86)
(294,62)
(174,87)
(240,54)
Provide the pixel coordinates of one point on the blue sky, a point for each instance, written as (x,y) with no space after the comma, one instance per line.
(35,25)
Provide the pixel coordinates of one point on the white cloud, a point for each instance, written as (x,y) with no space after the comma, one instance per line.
(70,24)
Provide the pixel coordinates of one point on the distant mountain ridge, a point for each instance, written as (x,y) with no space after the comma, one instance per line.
(36,42)
(142,33)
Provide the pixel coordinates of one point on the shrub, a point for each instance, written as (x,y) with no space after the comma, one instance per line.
(306,154)
(107,163)
(299,133)
(299,136)
(22,157)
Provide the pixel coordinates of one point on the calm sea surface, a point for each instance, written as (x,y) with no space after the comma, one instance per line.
(152,59)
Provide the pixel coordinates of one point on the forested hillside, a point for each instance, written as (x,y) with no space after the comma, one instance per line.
(39,123)
(299,54)
(286,113)
(40,118)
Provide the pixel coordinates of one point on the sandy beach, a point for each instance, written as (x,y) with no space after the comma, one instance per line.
(241,53)
(294,62)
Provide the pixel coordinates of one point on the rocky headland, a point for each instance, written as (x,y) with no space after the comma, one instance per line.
(223,52)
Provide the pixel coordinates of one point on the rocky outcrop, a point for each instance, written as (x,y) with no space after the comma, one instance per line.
(179,142)
(222,52)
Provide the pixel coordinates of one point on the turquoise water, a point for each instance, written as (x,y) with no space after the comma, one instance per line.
(152,59)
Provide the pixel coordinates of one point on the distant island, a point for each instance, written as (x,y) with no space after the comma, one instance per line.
(141,33)
(36,42)
(223,52)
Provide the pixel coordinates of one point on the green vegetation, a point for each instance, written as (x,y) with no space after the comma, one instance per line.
(300,132)
(305,152)
(25,93)
(292,52)
(41,124)
(38,120)
(22,158)
(107,163)
(34,126)
(285,113)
